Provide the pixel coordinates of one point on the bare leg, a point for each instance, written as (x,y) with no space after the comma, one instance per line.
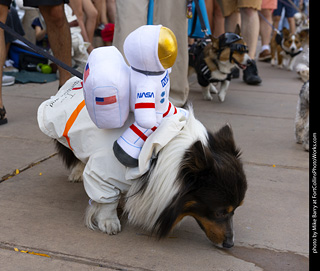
(292,25)
(250,29)
(218,20)
(59,36)
(3,18)
(231,22)
(111,11)
(265,29)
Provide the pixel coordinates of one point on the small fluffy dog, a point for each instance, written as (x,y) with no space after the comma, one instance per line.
(196,174)
(285,48)
(212,61)
(303,68)
(302,117)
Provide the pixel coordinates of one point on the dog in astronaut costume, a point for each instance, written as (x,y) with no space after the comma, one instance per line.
(151,51)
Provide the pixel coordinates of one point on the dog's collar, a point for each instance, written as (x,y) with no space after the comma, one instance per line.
(148,73)
(292,54)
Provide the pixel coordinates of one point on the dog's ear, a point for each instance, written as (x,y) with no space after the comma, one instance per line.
(215,42)
(285,32)
(238,30)
(303,34)
(223,140)
(198,158)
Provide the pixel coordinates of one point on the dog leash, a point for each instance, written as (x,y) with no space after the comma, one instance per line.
(202,23)
(266,20)
(41,51)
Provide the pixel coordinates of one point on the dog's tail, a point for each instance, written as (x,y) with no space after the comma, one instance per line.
(67,155)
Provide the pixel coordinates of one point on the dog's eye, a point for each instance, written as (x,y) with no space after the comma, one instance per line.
(221,214)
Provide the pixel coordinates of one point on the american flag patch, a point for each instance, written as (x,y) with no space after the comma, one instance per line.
(106,100)
(86,72)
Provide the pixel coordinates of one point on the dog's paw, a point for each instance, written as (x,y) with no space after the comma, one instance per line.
(206,93)
(213,89)
(222,96)
(76,173)
(109,226)
(103,216)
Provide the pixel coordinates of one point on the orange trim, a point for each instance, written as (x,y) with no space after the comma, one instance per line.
(71,120)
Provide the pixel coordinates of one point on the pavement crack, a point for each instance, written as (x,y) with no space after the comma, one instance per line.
(69,257)
(275,166)
(24,168)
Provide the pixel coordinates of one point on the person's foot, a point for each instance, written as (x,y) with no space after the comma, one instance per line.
(265,56)
(235,72)
(7,80)
(3,119)
(250,74)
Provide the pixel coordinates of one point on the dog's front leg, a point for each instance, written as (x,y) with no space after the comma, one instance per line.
(291,63)
(104,217)
(223,90)
(206,93)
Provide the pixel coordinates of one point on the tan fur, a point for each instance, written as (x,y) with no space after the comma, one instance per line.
(225,66)
(278,52)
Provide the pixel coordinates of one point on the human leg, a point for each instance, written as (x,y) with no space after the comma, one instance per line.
(59,36)
(3,18)
(265,34)
(218,20)
(91,18)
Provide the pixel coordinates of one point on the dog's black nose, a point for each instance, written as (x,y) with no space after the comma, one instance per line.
(227,244)
(249,62)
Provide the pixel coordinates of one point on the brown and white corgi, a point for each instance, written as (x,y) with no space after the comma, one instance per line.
(213,59)
(285,48)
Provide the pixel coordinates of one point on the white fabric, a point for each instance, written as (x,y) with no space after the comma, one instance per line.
(106,77)
(104,176)
(141,48)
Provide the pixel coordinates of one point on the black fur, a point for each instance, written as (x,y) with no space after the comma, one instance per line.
(212,178)
(67,155)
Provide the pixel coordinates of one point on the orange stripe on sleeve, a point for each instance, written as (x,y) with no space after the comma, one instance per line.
(71,120)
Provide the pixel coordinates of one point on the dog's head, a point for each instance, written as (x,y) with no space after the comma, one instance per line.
(213,186)
(228,48)
(291,43)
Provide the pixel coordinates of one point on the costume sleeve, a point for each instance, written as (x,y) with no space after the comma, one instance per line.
(145,111)
(100,178)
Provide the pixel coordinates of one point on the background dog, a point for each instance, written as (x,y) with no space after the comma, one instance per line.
(302,117)
(196,174)
(285,48)
(213,60)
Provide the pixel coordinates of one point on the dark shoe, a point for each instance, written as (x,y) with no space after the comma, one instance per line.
(3,119)
(235,72)
(250,74)
(123,157)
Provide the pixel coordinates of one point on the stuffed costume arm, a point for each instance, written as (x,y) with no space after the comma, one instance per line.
(145,105)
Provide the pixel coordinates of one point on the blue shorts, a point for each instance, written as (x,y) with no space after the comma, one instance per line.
(289,9)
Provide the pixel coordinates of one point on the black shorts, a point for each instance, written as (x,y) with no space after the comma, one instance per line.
(36,3)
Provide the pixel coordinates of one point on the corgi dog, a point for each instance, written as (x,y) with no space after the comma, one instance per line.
(285,48)
(213,59)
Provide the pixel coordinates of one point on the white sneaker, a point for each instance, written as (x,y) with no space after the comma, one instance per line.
(7,80)
(8,66)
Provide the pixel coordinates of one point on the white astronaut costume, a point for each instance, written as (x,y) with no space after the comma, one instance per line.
(151,51)
(65,117)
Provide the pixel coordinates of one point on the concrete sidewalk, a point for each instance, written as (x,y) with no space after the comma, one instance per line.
(41,213)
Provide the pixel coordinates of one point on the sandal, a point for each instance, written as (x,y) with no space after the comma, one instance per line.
(3,119)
